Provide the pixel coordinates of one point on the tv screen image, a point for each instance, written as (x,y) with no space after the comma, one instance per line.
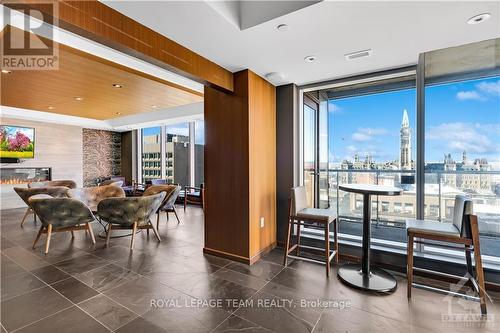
(17,142)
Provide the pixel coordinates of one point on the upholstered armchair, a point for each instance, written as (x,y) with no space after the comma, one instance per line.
(130,213)
(59,215)
(27,193)
(168,204)
(50,183)
(118,183)
(194,195)
(91,196)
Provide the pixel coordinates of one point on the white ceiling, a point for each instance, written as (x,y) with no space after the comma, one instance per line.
(397,31)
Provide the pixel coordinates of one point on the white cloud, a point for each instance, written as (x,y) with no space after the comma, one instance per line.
(334,108)
(469,95)
(367,134)
(458,137)
(490,88)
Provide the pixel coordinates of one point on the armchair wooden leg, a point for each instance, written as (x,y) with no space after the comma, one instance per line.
(177,216)
(108,234)
(287,245)
(335,240)
(479,263)
(28,211)
(155,232)
(38,236)
(409,264)
(49,233)
(134,230)
(91,232)
(327,248)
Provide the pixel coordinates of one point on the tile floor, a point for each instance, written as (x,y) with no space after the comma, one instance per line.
(172,287)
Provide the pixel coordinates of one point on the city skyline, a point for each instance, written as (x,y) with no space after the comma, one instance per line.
(473,126)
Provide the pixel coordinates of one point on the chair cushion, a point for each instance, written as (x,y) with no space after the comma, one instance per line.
(326,215)
(434,227)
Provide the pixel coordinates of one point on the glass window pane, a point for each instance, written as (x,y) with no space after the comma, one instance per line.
(151,153)
(177,154)
(199,141)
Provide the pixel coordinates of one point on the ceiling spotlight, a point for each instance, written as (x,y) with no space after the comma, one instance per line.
(154,106)
(78,98)
(50,107)
(275,77)
(116,85)
(4,71)
(118,113)
(310,58)
(282,27)
(476,19)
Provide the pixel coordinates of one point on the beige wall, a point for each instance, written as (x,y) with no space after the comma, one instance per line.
(56,146)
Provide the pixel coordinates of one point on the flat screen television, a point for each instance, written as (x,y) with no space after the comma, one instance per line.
(17,142)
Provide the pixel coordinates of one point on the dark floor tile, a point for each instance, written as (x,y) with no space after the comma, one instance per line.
(175,274)
(215,288)
(74,290)
(50,274)
(235,324)
(25,309)
(262,269)
(71,320)
(113,252)
(24,258)
(143,263)
(16,285)
(137,295)
(139,324)
(240,278)
(9,267)
(280,315)
(57,254)
(106,277)
(107,312)
(275,256)
(81,264)
(5,243)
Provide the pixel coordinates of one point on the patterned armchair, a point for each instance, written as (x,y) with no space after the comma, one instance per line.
(50,183)
(118,183)
(60,214)
(27,193)
(130,213)
(91,196)
(168,204)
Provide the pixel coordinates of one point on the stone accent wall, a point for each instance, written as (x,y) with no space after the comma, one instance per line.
(101,155)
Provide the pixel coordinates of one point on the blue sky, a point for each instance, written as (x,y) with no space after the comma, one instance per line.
(459,116)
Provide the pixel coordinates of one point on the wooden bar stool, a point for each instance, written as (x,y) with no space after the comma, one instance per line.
(300,215)
(464,233)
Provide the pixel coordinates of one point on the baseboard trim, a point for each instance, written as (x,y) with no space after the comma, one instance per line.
(238,258)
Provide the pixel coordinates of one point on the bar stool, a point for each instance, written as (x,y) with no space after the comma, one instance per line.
(465,233)
(301,215)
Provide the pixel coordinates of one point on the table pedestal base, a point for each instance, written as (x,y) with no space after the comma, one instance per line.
(377,280)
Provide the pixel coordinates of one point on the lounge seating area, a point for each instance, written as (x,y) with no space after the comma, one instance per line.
(250,166)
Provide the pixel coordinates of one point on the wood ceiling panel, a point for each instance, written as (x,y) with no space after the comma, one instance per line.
(84,75)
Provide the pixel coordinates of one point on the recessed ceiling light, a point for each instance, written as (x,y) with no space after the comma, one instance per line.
(275,77)
(358,54)
(310,58)
(154,106)
(476,19)
(282,27)
(50,107)
(78,98)
(4,71)
(118,113)
(117,85)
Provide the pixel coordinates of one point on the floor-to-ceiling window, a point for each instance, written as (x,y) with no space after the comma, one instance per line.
(199,147)
(177,154)
(151,153)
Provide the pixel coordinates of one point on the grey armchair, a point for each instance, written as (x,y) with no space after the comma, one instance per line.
(59,215)
(168,204)
(27,193)
(91,196)
(130,213)
(66,183)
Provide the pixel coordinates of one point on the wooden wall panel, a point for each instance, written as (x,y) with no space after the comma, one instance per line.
(240,169)
(262,159)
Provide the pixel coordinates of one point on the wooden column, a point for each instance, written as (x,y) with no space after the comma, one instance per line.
(240,169)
